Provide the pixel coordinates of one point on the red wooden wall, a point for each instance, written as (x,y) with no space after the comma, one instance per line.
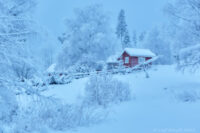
(133,61)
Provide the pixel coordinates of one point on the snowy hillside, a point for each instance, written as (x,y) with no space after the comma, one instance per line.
(159,103)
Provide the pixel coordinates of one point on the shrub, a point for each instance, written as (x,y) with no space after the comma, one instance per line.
(103,90)
(188,96)
(59,79)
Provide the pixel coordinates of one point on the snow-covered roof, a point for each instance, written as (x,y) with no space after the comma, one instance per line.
(113,58)
(51,68)
(139,52)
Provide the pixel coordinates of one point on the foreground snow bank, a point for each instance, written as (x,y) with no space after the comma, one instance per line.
(85,101)
(157,106)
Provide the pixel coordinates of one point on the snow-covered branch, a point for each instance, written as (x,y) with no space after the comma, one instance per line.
(189,57)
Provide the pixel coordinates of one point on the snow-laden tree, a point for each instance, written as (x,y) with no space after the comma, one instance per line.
(21,105)
(156,42)
(89,38)
(24,46)
(184,25)
(15,32)
(189,58)
(16,7)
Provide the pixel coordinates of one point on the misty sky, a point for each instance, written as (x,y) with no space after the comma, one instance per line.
(140,14)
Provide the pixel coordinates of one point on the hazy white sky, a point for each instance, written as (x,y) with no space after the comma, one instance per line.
(141,14)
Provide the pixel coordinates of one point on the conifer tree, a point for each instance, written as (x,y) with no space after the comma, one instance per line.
(121,26)
(134,39)
(126,40)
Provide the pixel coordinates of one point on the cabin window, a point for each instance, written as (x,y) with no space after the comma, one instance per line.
(126,60)
(141,60)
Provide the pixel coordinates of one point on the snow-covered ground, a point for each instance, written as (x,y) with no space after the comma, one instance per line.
(167,102)
(69,93)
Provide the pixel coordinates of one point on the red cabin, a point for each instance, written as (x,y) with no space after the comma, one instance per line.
(132,56)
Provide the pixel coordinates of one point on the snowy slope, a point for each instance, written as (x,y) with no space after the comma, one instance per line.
(69,93)
(157,106)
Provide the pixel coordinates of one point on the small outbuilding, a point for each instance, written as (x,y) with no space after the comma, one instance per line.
(113,62)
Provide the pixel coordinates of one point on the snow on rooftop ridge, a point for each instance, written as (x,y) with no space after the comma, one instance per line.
(114,58)
(51,68)
(139,52)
